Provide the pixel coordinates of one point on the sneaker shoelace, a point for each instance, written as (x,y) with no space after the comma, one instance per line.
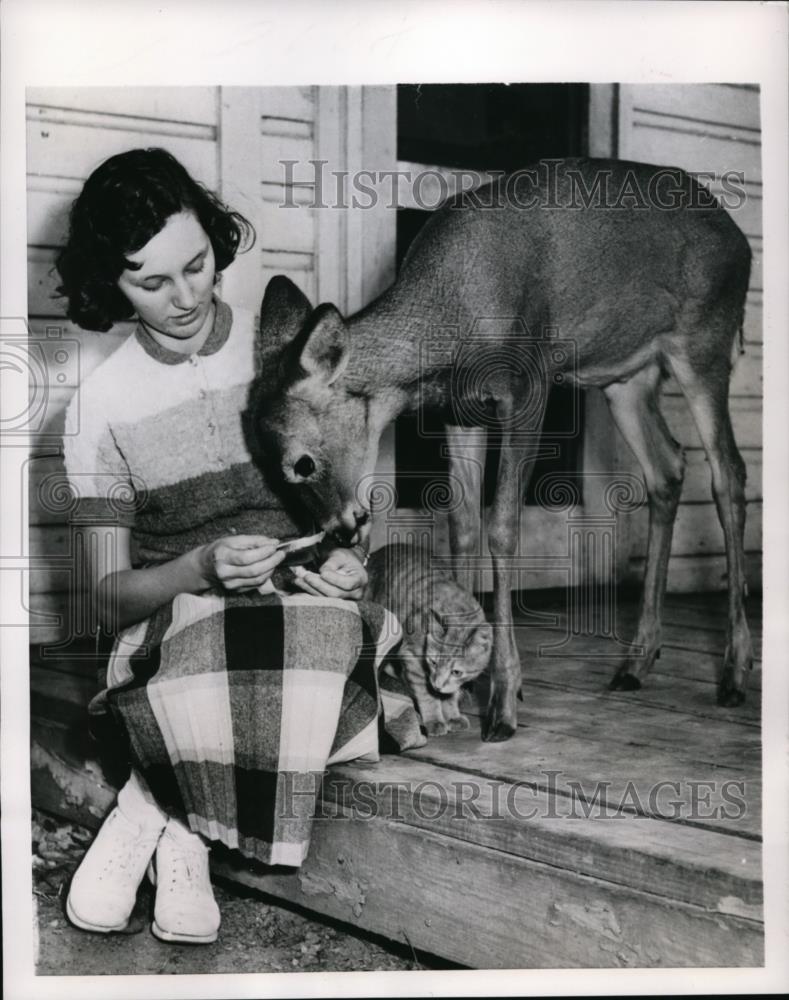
(127,863)
(188,870)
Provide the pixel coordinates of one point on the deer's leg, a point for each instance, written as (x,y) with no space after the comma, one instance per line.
(467,450)
(707,394)
(515,468)
(634,407)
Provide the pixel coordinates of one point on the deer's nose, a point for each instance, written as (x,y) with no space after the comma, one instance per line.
(351,526)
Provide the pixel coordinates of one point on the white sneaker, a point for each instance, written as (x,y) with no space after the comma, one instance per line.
(185,908)
(104,888)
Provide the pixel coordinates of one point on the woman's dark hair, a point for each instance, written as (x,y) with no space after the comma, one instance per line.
(123,204)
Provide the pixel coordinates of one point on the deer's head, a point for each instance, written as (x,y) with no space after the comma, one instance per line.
(317,434)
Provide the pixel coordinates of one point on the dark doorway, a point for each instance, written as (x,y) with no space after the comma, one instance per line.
(491,127)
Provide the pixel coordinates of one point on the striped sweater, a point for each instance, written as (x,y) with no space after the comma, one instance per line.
(154,441)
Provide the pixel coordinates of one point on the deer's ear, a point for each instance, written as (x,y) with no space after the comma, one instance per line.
(327,348)
(283,312)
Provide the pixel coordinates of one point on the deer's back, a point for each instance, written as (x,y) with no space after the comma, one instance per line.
(613,274)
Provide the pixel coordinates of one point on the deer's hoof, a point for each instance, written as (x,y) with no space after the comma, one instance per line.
(733,681)
(497,731)
(623,680)
(730,696)
(501,718)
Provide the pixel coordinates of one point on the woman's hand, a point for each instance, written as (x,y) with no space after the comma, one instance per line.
(341,575)
(238,562)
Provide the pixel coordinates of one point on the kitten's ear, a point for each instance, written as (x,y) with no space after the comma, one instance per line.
(437,622)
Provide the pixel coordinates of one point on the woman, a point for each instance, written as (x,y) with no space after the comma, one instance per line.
(229,697)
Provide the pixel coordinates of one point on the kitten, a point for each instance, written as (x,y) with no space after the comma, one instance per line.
(446,640)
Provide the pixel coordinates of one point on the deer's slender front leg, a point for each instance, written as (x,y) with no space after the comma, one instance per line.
(501,719)
(467,451)
(515,468)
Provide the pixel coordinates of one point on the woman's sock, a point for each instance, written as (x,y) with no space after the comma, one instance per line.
(138,805)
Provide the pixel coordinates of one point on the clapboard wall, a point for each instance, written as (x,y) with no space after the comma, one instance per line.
(232,140)
(706,128)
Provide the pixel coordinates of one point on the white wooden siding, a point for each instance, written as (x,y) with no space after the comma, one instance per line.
(287,236)
(706,127)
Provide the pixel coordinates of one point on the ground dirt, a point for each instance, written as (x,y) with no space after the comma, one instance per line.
(256,936)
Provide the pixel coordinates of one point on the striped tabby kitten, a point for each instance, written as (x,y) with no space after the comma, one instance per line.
(446,640)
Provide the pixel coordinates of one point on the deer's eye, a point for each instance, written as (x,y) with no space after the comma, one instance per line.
(304,467)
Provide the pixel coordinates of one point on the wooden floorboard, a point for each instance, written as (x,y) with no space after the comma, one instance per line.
(695,657)
(685,628)
(714,604)
(618,724)
(678,681)
(627,776)
(663,695)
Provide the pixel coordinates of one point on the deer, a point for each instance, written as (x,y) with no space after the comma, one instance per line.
(638,264)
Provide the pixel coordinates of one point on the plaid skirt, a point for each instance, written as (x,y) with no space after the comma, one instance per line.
(235,705)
